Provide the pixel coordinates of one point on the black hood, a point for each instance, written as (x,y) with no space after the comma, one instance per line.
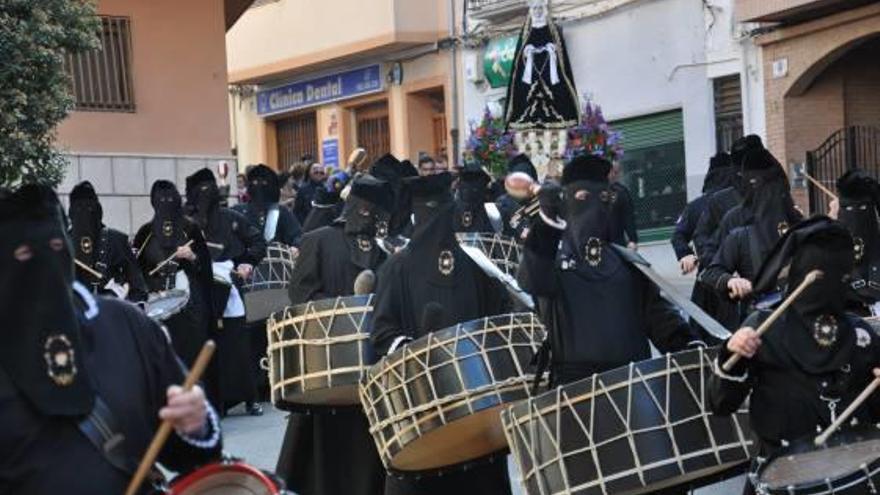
(823,244)
(433,240)
(522,163)
(42,351)
(396,173)
(721,174)
(86,217)
(368,208)
(167,224)
(767,200)
(263,186)
(202,197)
(858,212)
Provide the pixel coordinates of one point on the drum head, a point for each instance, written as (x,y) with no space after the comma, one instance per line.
(225,479)
(163,305)
(804,465)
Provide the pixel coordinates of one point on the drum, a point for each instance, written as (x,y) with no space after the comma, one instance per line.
(226,478)
(318,352)
(164,304)
(631,430)
(504,251)
(266,291)
(435,401)
(848,463)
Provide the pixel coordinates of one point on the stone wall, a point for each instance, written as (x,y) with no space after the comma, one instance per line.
(123,181)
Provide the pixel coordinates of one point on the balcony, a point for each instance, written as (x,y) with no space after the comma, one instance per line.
(791,11)
(496,9)
(282,39)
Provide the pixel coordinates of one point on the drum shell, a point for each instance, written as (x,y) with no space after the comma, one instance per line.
(631,430)
(434,402)
(172,301)
(318,352)
(266,291)
(503,250)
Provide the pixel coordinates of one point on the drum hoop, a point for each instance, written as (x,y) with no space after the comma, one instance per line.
(221,467)
(517,424)
(290,320)
(323,374)
(342,339)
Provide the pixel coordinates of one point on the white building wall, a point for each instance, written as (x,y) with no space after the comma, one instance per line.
(654,55)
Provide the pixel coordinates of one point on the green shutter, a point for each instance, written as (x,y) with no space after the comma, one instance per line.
(642,132)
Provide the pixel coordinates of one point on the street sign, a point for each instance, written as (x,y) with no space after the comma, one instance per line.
(498,60)
(317,91)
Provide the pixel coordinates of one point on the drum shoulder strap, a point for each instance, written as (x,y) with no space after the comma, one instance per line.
(102,430)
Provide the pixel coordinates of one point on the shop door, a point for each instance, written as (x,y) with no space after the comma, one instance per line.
(440,135)
(372,130)
(653,168)
(296,136)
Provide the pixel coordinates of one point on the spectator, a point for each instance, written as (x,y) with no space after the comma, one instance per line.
(241,184)
(427,166)
(306,192)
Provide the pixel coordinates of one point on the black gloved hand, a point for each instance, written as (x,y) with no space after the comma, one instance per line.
(550,201)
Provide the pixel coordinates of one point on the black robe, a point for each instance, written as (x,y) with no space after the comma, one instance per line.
(192,326)
(507,206)
(597,318)
(717,205)
(472,217)
(737,256)
(131,365)
(329,452)
(322,216)
(241,242)
(287,231)
(785,402)
(306,193)
(401,297)
(115,261)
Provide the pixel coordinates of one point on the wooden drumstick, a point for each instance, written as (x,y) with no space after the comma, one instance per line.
(167,260)
(165,428)
(88,269)
(845,415)
(808,281)
(820,186)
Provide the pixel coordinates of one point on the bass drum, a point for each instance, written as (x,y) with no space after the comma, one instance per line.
(504,251)
(434,402)
(632,430)
(227,478)
(266,290)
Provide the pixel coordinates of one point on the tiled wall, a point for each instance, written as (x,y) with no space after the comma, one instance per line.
(123,182)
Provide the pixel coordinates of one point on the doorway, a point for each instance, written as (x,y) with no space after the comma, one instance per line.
(372,129)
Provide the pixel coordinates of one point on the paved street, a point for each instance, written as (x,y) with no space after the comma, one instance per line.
(258,439)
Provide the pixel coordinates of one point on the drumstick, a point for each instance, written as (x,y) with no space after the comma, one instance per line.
(88,269)
(165,428)
(167,260)
(820,186)
(808,280)
(821,439)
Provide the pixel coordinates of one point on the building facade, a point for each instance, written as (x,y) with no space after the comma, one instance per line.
(676,77)
(822,85)
(321,81)
(150,103)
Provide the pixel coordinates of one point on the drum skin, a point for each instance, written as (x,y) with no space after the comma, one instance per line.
(435,401)
(847,464)
(318,352)
(164,304)
(631,430)
(228,478)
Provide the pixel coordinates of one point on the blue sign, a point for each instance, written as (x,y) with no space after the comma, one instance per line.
(320,90)
(330,153)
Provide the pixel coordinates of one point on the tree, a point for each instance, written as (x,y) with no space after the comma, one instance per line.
(35,38)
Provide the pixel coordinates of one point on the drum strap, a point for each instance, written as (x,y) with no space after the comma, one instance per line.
(102,430)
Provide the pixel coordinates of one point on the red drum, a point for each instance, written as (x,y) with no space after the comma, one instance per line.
(225,478)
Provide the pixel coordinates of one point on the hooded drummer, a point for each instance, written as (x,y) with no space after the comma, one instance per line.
(858,207)
(276,223)
(103,255)
(84,379)
(815,359)
(599,310)
(333,453)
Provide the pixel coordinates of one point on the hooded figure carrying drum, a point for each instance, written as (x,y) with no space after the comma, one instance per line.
(599,310)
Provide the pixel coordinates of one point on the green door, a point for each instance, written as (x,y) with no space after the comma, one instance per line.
(653,168)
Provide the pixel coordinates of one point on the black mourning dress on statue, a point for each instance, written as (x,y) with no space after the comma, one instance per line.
(232,241)
(331,452)
(433,270)
(541,93)
(599,310)
(814,358)
(102,350)
(104,250)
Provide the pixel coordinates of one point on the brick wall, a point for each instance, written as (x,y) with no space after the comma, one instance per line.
(123,182)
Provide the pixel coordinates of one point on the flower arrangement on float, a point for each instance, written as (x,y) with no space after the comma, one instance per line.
(593,135)
(489,144)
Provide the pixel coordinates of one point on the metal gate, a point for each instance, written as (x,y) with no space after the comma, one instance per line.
(846,149)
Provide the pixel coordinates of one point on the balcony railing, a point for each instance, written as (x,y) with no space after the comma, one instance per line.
(487,9)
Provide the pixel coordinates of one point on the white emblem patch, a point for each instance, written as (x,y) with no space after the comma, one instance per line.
(863,337)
